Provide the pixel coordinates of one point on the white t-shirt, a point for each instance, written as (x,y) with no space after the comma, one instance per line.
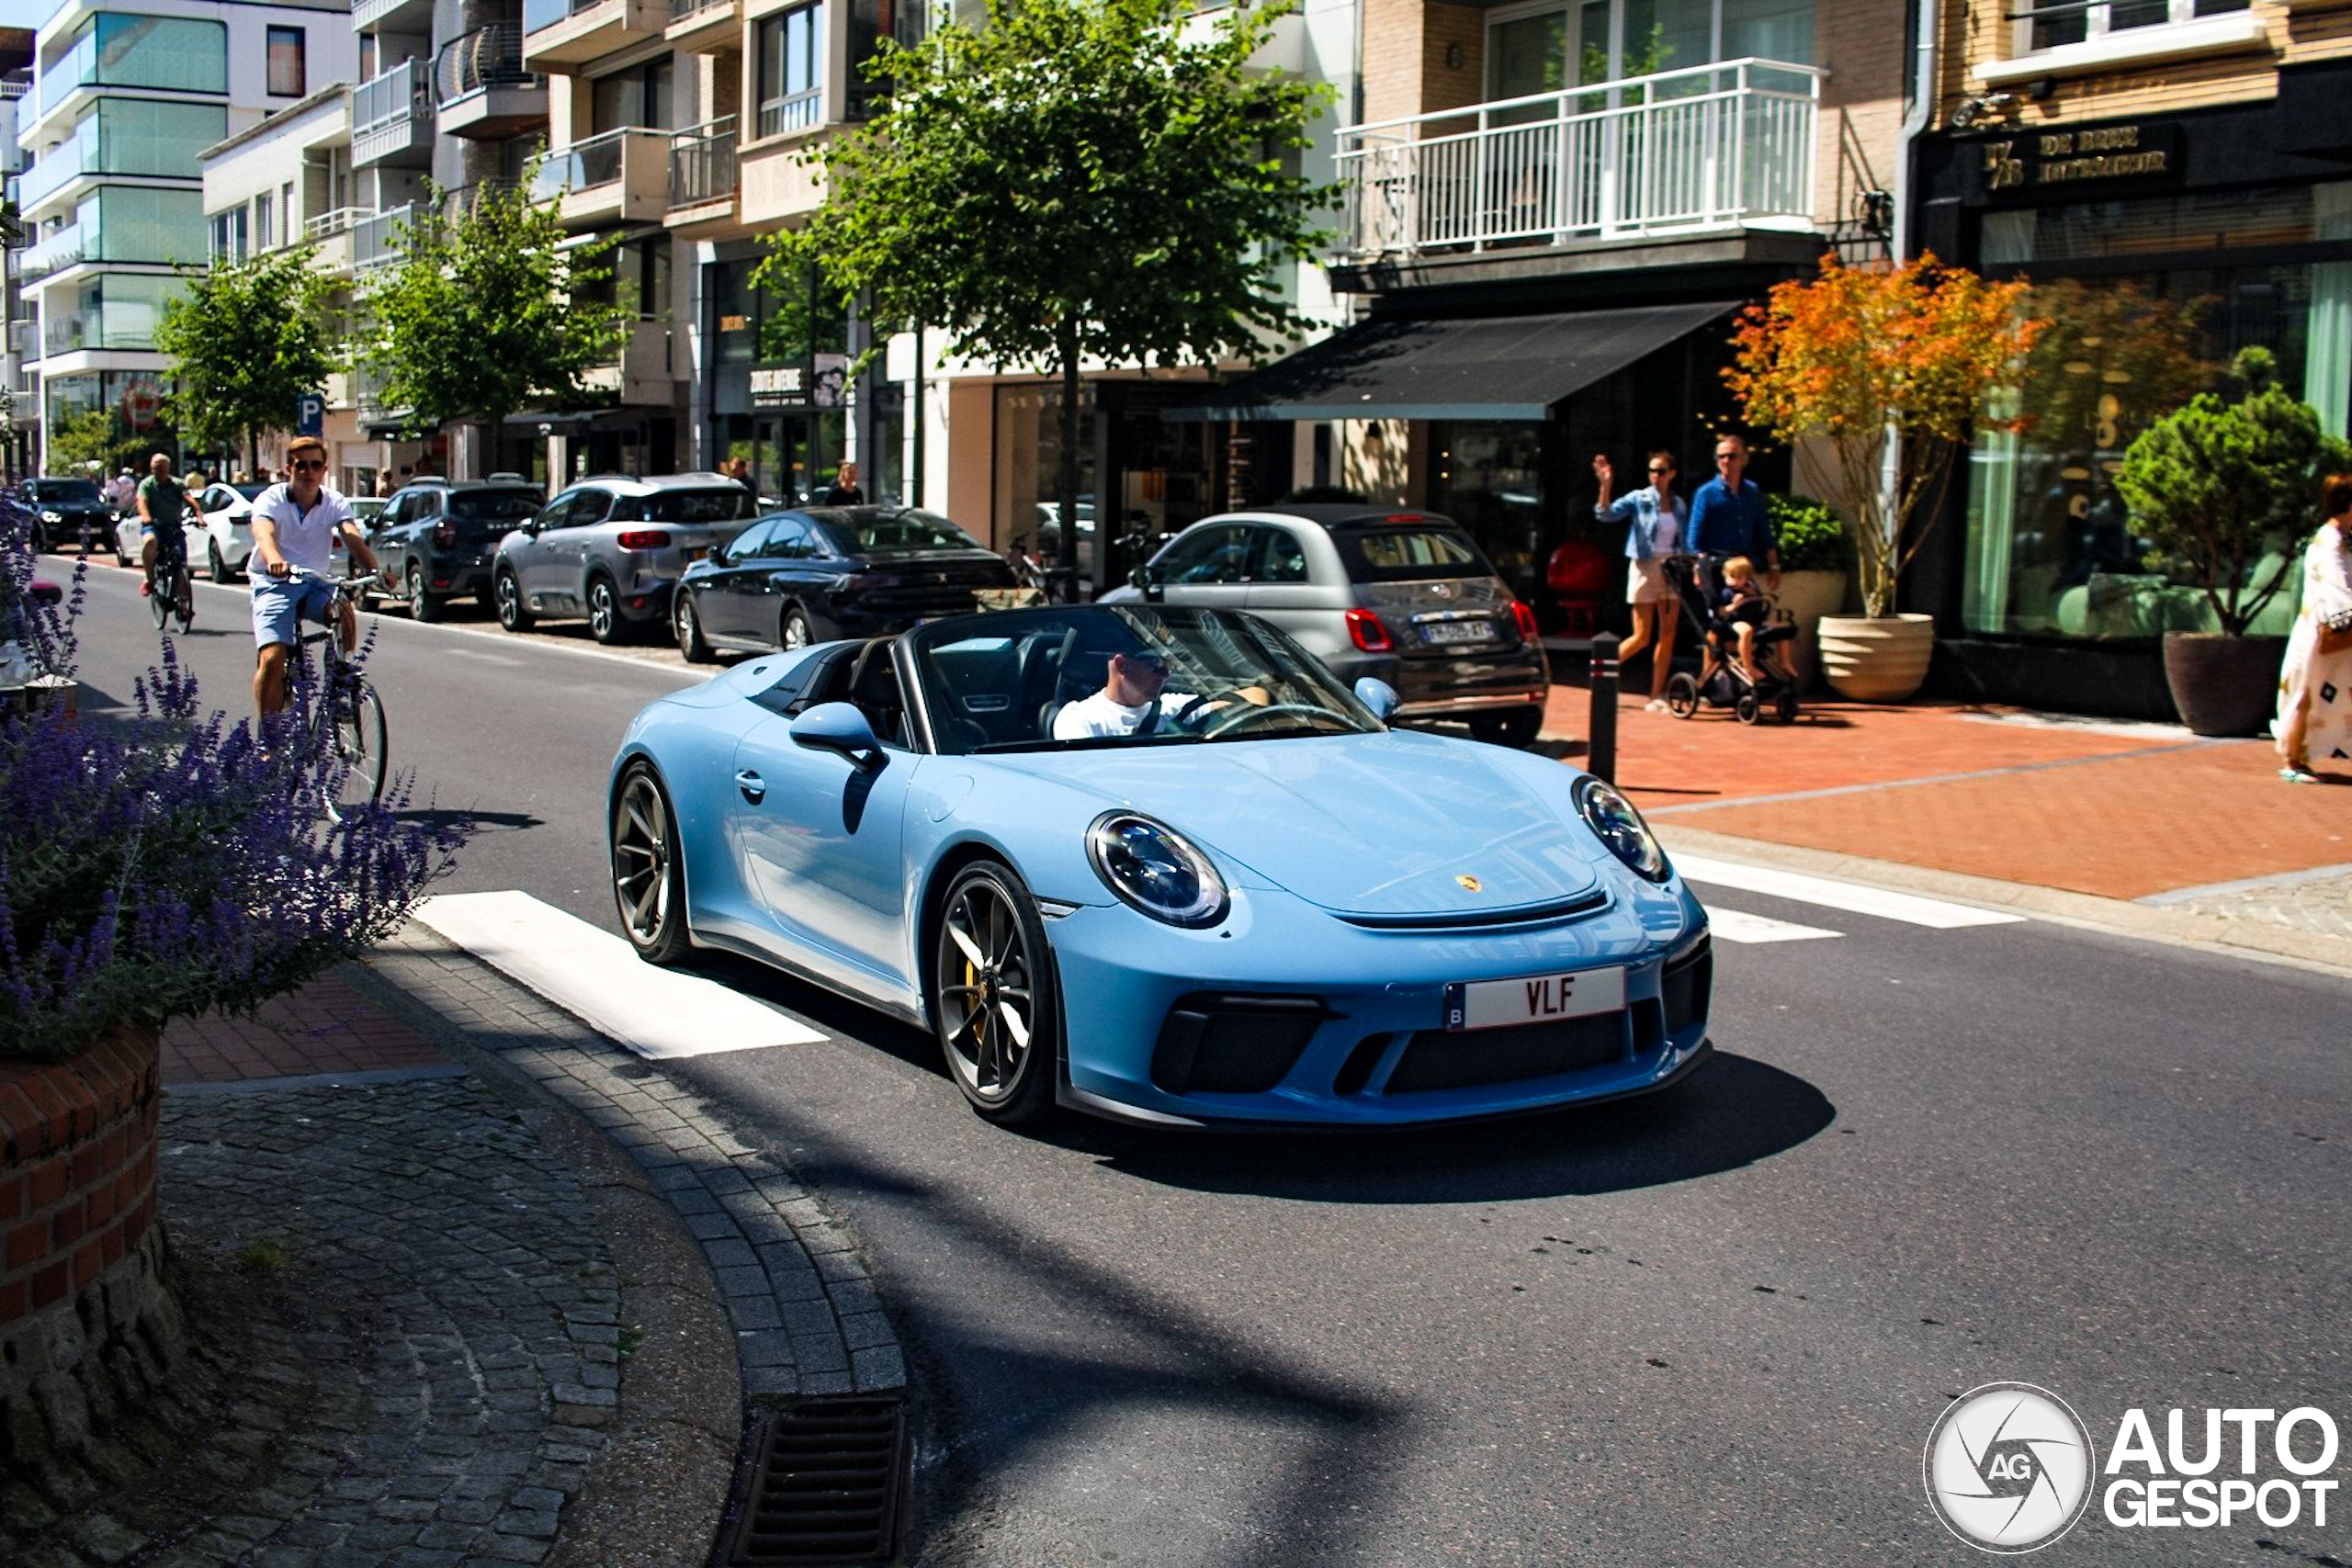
(304,538)
(1097,715)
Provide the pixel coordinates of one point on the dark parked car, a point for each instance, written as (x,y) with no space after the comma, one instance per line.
(831,571)
(69,511)
(436,540)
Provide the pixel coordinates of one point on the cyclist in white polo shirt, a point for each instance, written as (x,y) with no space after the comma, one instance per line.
(294,526)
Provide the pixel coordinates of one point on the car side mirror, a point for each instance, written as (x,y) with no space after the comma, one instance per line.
(838,727)
(1148,580)
(1378,695)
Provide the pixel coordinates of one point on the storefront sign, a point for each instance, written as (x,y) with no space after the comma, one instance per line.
(775,385)
(2078,157)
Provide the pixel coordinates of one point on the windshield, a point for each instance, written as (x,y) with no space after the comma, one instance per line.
(495,505)
(250,492)
(64,489)
(1409,555)
(720,504)
(997,681)
(864,532)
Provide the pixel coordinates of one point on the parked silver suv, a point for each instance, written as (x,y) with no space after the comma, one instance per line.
(611,549)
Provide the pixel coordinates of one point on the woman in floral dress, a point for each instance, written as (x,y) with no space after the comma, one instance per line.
(2315,727)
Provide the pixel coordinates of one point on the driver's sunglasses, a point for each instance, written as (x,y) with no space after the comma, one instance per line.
(1660,469)
(309,465)
(1150,661)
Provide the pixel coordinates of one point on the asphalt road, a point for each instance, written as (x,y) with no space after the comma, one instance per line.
(1714,1325)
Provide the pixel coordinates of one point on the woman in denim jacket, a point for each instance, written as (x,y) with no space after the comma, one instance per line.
(1656,519)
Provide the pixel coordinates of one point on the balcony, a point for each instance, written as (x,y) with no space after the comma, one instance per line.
(55,253)
(1712,150)
(331,233)
(125,137)
(391,118)
(641,375)
(481,86)
(377,239)
(704,27)
(562,35)
(121,49)
(703,178)
(391,16)
(620,177)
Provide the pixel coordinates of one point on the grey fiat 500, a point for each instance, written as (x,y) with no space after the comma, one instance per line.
(611,549)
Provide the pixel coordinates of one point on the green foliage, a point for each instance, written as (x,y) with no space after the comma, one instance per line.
(95,436)
(249,340)
(1102,179)
(2214,484)
(486,313)
(1811,537)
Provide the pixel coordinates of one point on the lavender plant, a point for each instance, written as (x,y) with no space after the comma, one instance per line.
(175,864)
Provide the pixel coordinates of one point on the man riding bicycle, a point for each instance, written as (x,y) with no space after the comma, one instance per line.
(294,524)
(162,516)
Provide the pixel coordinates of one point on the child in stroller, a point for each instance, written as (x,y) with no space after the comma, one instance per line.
(1725,604)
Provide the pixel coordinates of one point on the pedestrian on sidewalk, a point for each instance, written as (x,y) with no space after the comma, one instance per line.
(1727,517)
(2315,682)
(1655,518)
(845,492)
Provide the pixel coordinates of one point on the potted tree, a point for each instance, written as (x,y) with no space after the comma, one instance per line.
(1879,363)
(2221,492)
(1816,565)
(152,868)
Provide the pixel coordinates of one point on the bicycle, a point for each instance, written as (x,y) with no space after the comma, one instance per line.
(347,718)
(173,598)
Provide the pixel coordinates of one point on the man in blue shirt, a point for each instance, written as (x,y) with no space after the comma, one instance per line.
(1728,516)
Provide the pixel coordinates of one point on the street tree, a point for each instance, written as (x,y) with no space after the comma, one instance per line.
(1858,357)
(248,340)
(1076,180)
(488,313)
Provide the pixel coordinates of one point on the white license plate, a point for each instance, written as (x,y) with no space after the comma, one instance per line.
(1536,999)
(1446,633)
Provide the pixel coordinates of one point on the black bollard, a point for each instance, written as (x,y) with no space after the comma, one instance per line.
(1601,747)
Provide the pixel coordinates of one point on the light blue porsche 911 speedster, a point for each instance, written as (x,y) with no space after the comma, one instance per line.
(1159,864)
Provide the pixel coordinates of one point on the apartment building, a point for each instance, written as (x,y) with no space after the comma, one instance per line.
(1553,212)
(2175,178)
(127,95)
(17,400)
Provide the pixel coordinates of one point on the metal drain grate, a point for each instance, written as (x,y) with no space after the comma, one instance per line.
(823,1484)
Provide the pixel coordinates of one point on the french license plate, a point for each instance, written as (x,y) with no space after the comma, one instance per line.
(1446,634)
(1536,999)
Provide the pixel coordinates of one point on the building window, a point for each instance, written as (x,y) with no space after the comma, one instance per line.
(792,71)
(286,69)
(265,221)
(229,233)
(2050,24)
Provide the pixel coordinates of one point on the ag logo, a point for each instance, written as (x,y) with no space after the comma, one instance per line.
(2008,1467)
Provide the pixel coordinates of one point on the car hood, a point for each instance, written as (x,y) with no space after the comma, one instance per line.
(1389,824)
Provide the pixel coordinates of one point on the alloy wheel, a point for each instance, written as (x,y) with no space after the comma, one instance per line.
(795,631)
(604,615)
(987,1003)
(642,862)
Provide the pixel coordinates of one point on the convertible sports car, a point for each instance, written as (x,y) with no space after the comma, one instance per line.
(1260,906)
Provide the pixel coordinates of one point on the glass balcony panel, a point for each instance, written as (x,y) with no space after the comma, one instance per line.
(382,100)
(182,53)
(128,136)
(376,240)
(120,312)
(702,163)
(537,14)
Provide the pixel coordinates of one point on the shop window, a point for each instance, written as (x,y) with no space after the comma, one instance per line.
(287,75)
(2052,24)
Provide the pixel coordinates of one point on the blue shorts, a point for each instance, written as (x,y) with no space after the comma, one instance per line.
(282,603)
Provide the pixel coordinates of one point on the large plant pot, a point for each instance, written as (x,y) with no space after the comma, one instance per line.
(2221,684)
(1876,659)
(1807,596)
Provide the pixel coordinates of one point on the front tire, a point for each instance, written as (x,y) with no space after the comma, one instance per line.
(423,605)
(994,1000)
(604,610)
(649,878)
(687,625)
(362,747)
(507,597)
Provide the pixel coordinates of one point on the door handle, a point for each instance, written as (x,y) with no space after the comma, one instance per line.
(751,785)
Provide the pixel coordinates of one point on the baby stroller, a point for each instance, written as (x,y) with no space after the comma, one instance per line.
(1720,682)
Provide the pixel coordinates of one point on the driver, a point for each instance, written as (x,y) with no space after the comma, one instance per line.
(1134,700)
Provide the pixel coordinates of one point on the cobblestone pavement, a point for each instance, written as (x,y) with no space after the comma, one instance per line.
(2321,904)
(807,1316)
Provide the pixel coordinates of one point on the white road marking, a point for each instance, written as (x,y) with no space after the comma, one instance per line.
(658,1013)
(1733,925)
(1850,896)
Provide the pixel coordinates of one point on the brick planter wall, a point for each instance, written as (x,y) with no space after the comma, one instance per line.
(87,1326)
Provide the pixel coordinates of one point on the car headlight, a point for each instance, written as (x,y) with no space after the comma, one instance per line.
(1154,868)
(1615,822)
(53,516)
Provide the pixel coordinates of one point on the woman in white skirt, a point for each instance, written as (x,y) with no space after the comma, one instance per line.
(1654,518)
(2315,727)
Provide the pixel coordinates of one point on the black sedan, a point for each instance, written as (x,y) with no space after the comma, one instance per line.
(70,512)
(795,578)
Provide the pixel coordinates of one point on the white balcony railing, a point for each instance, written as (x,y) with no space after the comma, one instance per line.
(384,101)
(375,239)
(1710,147)
(326,225)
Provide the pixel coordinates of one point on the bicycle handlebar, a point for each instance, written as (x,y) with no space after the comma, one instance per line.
(340,584)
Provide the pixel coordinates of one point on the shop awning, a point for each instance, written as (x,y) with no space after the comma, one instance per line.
(1493,367)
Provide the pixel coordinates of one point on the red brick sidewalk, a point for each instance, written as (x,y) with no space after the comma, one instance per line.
(324,1028)
(2121,814)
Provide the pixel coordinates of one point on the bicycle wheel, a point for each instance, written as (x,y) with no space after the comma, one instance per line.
(360,743)
(159,600)
(184,600)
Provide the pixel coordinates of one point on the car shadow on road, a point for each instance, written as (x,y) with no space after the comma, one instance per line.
(468,820)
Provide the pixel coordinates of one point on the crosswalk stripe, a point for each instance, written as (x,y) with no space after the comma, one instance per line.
(1851,897)
(1734,925)
(658,1013)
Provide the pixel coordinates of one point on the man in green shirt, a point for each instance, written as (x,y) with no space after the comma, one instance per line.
(163,507)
